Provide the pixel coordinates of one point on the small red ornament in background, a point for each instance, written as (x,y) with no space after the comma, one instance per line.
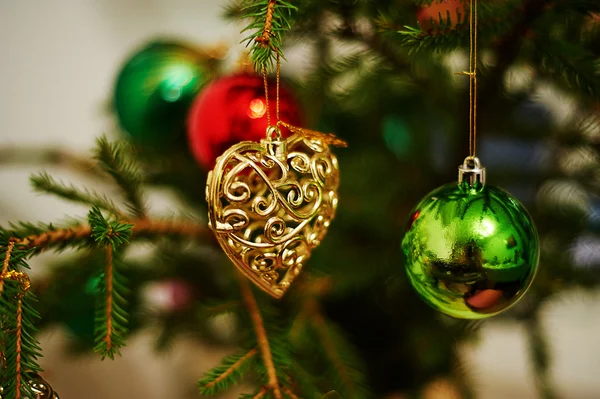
(233,109)
(169,296)
(430,17)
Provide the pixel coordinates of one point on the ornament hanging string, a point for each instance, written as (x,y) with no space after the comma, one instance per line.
(266,83)
(264,72)
(278,78)
(326,138)
(472,74)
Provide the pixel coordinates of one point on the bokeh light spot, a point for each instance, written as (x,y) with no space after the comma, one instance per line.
(396,136)
(257,108)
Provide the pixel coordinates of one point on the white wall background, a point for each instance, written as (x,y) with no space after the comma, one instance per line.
(58,59)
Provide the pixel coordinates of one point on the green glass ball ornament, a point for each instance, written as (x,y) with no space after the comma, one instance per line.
(155,89)
(471,249)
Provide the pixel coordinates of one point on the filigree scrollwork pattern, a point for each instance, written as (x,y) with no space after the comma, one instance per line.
(270,204)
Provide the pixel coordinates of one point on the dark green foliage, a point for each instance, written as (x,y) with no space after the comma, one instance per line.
(263,55)
(578,68)
(117,162)
(324,347)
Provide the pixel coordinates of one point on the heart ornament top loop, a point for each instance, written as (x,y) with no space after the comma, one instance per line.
(270,204)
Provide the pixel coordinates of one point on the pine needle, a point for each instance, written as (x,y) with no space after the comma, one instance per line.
(227,374)
(43,182)
(114,160)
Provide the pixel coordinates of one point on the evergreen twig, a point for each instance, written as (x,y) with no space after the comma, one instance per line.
(22,350)
(112,158)
(19,337)
(261,335)
(45,183)
(289,393)
(263,392)
(227,373)
(111,318)
(269,19)
(81,234)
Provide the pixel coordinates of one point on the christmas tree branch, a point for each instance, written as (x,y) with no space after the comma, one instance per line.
(289,393)
(18,334)
(226,374)
(141,227)
(269,19)
(46,183)
(265,38)
(111,316)
(109,300)
(263,391)
(18,317)
(261,335)
(113,159)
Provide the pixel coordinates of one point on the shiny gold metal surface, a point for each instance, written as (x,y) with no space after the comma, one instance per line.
(270,204)
(42,389)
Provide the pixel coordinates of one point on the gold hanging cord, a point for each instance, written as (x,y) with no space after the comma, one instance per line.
(326,138)
(472,74)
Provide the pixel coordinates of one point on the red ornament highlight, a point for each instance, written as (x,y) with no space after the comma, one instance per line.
(233,109)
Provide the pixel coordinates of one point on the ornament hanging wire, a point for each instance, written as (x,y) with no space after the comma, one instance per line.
(471,169)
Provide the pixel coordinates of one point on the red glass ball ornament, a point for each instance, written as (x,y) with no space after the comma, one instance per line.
(233,109)
(440,12)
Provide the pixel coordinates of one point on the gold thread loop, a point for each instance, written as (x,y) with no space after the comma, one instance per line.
(325,138)
(274,133)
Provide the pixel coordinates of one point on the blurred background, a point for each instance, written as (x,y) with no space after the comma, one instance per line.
(59,64)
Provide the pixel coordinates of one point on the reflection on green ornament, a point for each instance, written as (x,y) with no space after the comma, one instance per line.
(155,89)
(471,250)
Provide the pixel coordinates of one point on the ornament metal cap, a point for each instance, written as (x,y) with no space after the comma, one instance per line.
(275,144)
(471,172)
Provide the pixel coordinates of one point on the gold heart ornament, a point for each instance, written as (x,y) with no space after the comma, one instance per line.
(270,204)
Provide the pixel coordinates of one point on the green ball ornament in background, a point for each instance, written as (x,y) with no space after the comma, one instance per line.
(155,89)
(471,249)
